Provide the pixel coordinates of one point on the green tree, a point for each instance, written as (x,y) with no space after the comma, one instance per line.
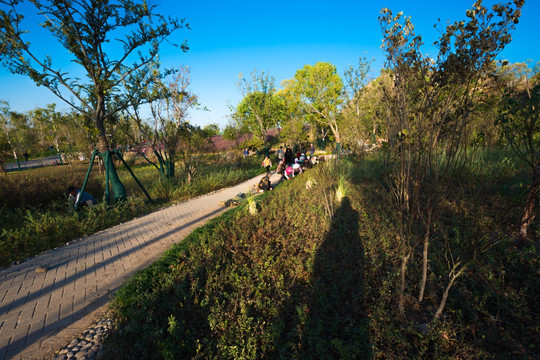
(293,124)
(195,142)
(211,130)
(258,110)
(320,88)
(102,37)
(48,124)
(362,110)
(5,152)
(170,108)
(235,130)
(15,131)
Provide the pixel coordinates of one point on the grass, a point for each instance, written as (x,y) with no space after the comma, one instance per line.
(35,202)
(294,282)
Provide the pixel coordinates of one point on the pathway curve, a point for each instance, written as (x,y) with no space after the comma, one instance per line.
(41,312)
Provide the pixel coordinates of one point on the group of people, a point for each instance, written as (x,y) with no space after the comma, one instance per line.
(289,164)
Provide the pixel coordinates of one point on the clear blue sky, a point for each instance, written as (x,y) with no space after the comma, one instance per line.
(280,37)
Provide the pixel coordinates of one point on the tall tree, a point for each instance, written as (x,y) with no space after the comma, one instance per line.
(361,120)
(257,110)
(102,37)
(320,89)
(293,122)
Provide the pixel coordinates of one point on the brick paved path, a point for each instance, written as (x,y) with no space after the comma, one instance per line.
(41,312)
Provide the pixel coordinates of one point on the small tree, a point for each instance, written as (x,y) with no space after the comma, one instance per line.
(361,114)
(211,129)
(47,123)
(194,143)
(170,105)
(235,131)
(15,131)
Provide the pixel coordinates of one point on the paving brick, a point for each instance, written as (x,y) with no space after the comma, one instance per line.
(82,272)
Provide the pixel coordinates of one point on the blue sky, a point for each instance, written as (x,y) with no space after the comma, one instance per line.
(279,37)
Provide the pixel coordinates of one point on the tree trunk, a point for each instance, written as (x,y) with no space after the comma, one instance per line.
(17,160)
(528,211)
(404,260)
(453,276)
(118,188)
(425,258)
(170,164)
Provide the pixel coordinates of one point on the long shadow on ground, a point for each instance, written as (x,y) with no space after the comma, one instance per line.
(334,324)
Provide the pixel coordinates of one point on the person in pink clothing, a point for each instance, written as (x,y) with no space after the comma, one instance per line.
(288,173)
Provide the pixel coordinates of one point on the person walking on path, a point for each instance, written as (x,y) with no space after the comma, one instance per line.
(311,151)
(267,163)
(280,154)
(289,157)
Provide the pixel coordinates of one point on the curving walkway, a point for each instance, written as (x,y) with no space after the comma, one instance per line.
(41,312)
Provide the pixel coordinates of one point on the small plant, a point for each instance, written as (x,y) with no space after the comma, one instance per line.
(341,190)
(252,205)
(310,183)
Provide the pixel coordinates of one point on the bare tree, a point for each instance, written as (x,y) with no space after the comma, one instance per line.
(429,106)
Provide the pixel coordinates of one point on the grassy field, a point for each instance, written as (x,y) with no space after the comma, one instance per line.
(312,277)
(35,215)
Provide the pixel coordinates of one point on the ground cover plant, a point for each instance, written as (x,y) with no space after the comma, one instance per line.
(35,215)
(313,276)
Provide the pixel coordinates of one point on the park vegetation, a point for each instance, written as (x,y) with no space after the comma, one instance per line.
(425,246)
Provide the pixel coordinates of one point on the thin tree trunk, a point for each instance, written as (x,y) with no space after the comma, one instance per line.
(17,160)
(118,188)
(425,258)
(404,261)
(528,211)
(453,276)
